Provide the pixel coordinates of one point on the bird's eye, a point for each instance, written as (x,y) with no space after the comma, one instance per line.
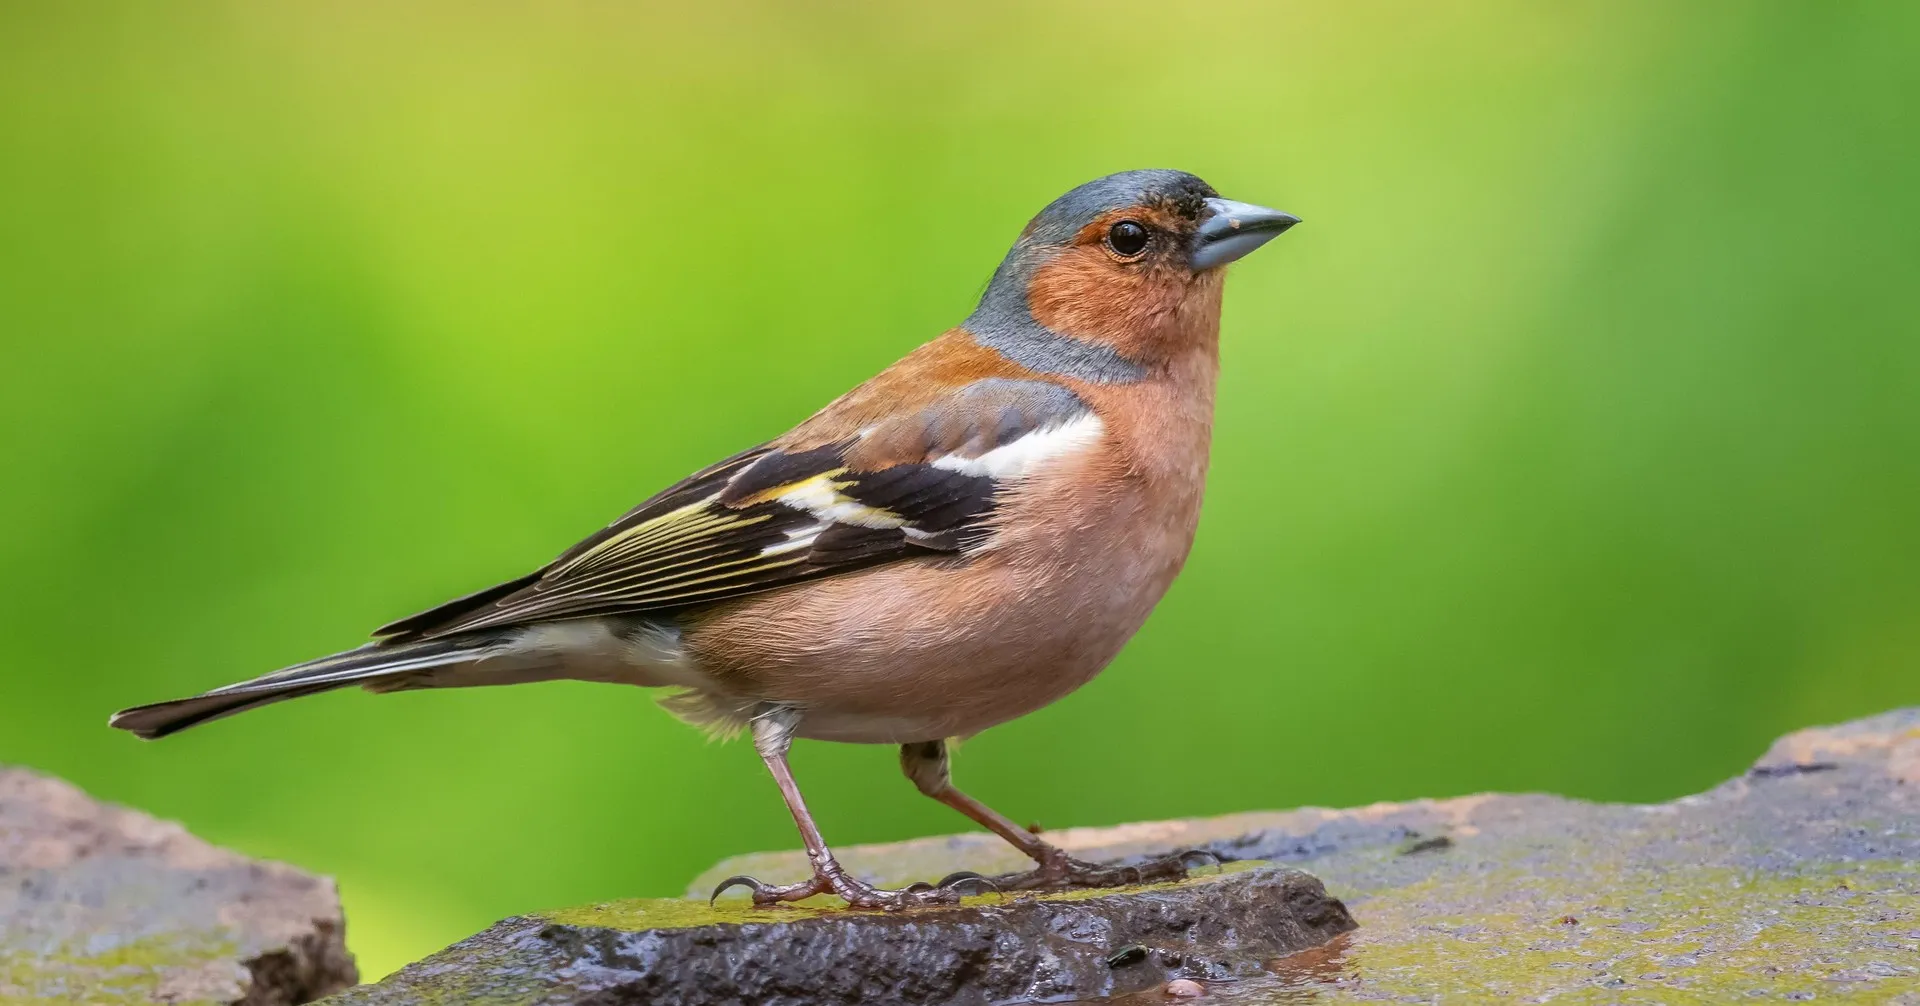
(1127,238)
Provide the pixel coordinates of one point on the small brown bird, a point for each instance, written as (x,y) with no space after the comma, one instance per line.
(968,536)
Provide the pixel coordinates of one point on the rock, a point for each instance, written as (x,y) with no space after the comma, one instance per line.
(987,950)
(1799,878)
(101,905)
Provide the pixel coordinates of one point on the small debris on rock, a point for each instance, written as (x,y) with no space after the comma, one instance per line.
(1132,953)
(1435,844)
(1185,988)
(1791,768)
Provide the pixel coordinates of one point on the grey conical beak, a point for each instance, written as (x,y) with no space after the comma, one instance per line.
(1233,230)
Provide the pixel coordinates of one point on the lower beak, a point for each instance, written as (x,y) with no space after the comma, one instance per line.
(1233,230)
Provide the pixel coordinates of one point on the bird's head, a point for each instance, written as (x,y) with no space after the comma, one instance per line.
(1119,275)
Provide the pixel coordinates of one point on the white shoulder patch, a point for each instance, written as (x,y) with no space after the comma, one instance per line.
(821,497)
(1022,456)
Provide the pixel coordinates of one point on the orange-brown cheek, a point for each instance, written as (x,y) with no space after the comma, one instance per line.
(1200,306)
(1085,294)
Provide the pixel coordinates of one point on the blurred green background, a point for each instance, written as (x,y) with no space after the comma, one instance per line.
(1572,444)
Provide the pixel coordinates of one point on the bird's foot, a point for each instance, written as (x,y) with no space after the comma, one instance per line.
(1063,872)
(834,880)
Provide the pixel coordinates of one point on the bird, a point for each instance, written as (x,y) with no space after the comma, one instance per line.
(967,537)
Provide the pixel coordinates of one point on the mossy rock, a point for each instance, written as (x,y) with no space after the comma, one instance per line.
(989,949)
(1799,879)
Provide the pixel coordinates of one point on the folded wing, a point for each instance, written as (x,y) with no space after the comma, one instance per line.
(815,503)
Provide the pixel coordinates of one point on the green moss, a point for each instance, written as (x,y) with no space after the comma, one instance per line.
(130,973)
(688,913)
(676,913)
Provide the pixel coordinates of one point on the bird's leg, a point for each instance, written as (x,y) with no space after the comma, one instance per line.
(773,728)
(926,764)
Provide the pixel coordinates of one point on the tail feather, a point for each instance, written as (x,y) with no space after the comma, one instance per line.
(373,664)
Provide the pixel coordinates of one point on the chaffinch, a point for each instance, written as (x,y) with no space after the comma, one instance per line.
(959,541)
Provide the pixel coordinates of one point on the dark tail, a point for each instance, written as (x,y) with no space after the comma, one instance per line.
(372,664)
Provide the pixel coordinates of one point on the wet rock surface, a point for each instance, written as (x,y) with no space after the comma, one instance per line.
(1798,880)
(100,904)
(1220,927)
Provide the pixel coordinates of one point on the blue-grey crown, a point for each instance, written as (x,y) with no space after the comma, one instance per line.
(1063,218)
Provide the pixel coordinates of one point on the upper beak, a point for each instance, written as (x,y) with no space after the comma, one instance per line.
(1233,230)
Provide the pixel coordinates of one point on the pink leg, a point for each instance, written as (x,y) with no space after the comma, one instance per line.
(772,737)
(926,764)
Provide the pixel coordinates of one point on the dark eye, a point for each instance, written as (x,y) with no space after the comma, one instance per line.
(1127,238)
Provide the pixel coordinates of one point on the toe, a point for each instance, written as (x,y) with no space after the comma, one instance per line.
(1068,872)
(769,894)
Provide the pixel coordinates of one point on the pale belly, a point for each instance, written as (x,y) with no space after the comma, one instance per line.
(949,647)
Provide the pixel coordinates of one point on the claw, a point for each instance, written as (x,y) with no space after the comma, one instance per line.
(986,885)
(855,893)
(1209,858)
(737,880)
(953,881)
